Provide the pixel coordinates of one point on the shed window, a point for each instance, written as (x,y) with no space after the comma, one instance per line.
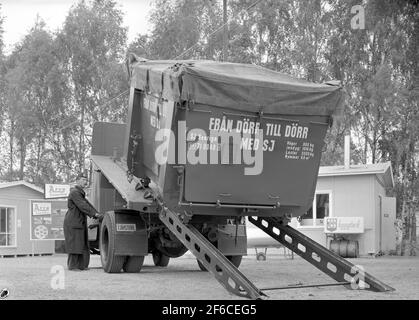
(317,212)
(7,227)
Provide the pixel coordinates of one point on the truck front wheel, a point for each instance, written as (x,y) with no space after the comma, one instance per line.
(111,262)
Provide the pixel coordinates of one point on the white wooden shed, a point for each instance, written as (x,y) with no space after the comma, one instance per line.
(15,220)
(356,193)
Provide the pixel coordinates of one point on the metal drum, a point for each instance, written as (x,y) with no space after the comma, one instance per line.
(345,248)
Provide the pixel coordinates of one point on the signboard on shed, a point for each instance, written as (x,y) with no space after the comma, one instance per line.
(344,225)
(47,219)
(56,191)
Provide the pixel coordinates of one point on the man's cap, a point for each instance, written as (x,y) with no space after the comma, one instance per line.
(81,175)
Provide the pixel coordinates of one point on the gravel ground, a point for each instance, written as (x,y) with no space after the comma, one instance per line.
(35,278)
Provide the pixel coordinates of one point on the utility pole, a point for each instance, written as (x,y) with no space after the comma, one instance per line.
(225,30)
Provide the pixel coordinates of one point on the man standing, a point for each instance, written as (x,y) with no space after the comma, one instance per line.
(75,225)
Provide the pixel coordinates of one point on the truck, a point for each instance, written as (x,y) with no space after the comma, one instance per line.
(206,146)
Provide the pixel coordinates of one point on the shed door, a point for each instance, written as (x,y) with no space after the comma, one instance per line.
(388,218)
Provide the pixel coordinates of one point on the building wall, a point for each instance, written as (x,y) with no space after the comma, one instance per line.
(18,197)
(351,196)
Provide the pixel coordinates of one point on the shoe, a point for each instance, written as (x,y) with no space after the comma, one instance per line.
(74,269)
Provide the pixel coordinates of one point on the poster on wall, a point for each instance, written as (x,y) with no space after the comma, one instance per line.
(47,219)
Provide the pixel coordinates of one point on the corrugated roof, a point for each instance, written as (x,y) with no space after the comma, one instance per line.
(20,183)
(382,170)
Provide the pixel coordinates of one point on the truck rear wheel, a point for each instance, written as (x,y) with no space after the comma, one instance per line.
(235,260)
(160,259)
(133,264)
(111,262)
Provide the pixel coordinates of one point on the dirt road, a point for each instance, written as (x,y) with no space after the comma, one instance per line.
(46,277)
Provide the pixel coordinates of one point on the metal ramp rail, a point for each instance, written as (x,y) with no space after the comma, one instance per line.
(214,261)
(325,260)
(341,270)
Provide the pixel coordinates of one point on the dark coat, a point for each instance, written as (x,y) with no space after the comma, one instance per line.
(75,221)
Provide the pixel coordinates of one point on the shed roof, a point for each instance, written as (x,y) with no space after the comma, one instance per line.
(383,171)
(20,183)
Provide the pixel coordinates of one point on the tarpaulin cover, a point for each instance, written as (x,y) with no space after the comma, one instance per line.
(237,86)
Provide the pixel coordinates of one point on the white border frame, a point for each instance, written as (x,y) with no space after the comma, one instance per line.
(314,226)
(15,208)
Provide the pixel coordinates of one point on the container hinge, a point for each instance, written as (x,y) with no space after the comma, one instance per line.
(130,175)
(144,183)
(180,171)
(186,217)
(260,112)
(148,194)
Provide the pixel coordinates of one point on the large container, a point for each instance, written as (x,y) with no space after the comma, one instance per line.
(225,134)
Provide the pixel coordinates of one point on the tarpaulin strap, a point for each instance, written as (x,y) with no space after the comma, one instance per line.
(162,87)
(147,81)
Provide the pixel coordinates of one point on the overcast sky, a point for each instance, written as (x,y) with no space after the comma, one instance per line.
(20,16)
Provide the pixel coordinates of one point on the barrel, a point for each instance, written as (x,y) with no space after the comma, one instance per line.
(345,248)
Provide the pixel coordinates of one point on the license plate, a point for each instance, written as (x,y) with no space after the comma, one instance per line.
(125,227)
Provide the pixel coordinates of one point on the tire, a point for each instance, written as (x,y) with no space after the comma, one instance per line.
(111,262)
(235,260)
(160,259)
(133,264)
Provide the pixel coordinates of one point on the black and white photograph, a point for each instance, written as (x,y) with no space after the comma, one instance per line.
(209,155)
